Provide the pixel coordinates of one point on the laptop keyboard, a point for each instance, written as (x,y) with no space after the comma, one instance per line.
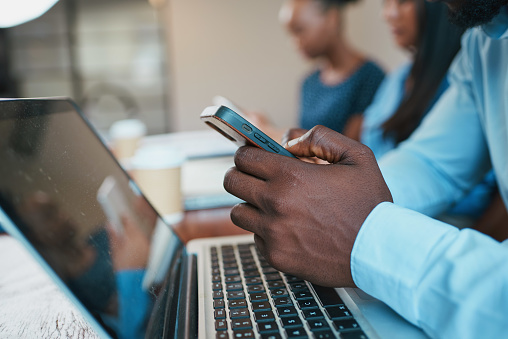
(251,299)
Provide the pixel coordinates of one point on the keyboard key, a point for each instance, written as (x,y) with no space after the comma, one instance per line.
(337,312)
(236,295)
(237,313)
(298,286)
(262,316)
(218,295)
(253,281)
(292,279)
(312,313)
(297,332)
(255,288)
(215,271)
(252,274)
(241,324)
(261,306)
(232,279)
(303,295)
(268,327)
(229,272)
(221,325)
(282,302)
(240,334)
(248,261)
(327,296)
(324,335)
(258,296)
(353,335)
(234,287)
(345,324)
(318,324)
(249,266)
(231,266)
(278,292)
(286,311)
(270,336)
(216,278)
(291,321)
(307,304)
(216,286)
(220,313)
(239,303)
(275,284)
(218,303)
(272,276)
(222,335)
(229,260)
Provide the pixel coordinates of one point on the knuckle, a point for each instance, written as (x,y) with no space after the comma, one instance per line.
(235,214)
(244,154)
(364,151)
(275,260)
(230,179)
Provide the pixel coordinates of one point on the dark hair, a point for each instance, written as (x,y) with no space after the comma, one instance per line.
(438,43)
(327,4)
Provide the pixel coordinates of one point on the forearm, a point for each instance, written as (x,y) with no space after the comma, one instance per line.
(437,277)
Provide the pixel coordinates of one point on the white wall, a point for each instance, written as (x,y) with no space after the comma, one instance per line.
(238,49)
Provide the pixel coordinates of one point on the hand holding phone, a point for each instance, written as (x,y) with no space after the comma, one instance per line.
(240,131)
(113,203)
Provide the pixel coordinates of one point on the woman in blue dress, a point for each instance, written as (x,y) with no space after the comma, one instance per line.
(344,81)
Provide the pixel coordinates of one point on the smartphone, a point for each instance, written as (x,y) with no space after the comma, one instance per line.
(237,129)
(219,100)
(113,203)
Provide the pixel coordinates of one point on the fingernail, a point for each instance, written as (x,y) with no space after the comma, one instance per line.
(293,142)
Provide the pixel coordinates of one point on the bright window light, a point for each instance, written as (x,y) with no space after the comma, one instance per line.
(16,12)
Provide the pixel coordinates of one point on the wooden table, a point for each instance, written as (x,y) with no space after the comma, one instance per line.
(32,306)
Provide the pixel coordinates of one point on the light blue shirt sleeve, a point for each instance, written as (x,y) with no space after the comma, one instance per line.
(450,283)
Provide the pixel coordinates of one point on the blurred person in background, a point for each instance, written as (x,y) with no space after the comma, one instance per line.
(344,81)
(407,94)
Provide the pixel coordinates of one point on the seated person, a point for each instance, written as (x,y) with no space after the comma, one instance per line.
(345,80)
(336,224)
(407,94)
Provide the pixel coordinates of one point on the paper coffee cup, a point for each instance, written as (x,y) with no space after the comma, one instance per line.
(157,171)
(125,136)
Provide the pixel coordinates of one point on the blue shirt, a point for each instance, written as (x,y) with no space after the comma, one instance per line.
(452,283)
(332,106)
(386,102)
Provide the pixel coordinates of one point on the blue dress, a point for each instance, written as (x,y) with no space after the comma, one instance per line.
(384,105)
(332,106)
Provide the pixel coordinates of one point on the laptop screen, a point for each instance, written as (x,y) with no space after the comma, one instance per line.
(80,211)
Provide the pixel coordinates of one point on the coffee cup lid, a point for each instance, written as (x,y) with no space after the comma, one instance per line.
(126,129)
(156,157)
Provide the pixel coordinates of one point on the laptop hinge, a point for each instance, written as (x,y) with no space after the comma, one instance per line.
(187,319)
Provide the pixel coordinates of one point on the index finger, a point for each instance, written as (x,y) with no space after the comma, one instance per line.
(260,163)
(326,144)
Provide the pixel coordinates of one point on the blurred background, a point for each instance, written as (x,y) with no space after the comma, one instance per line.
(162,61)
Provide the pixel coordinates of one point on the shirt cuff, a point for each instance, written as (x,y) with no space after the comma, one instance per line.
(389,254)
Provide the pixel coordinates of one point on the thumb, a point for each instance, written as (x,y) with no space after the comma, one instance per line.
(325,144)
(293,133)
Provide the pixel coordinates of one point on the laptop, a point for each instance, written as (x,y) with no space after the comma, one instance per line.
(128,273)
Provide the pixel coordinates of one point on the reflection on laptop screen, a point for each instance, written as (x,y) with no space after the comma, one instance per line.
(75,205)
